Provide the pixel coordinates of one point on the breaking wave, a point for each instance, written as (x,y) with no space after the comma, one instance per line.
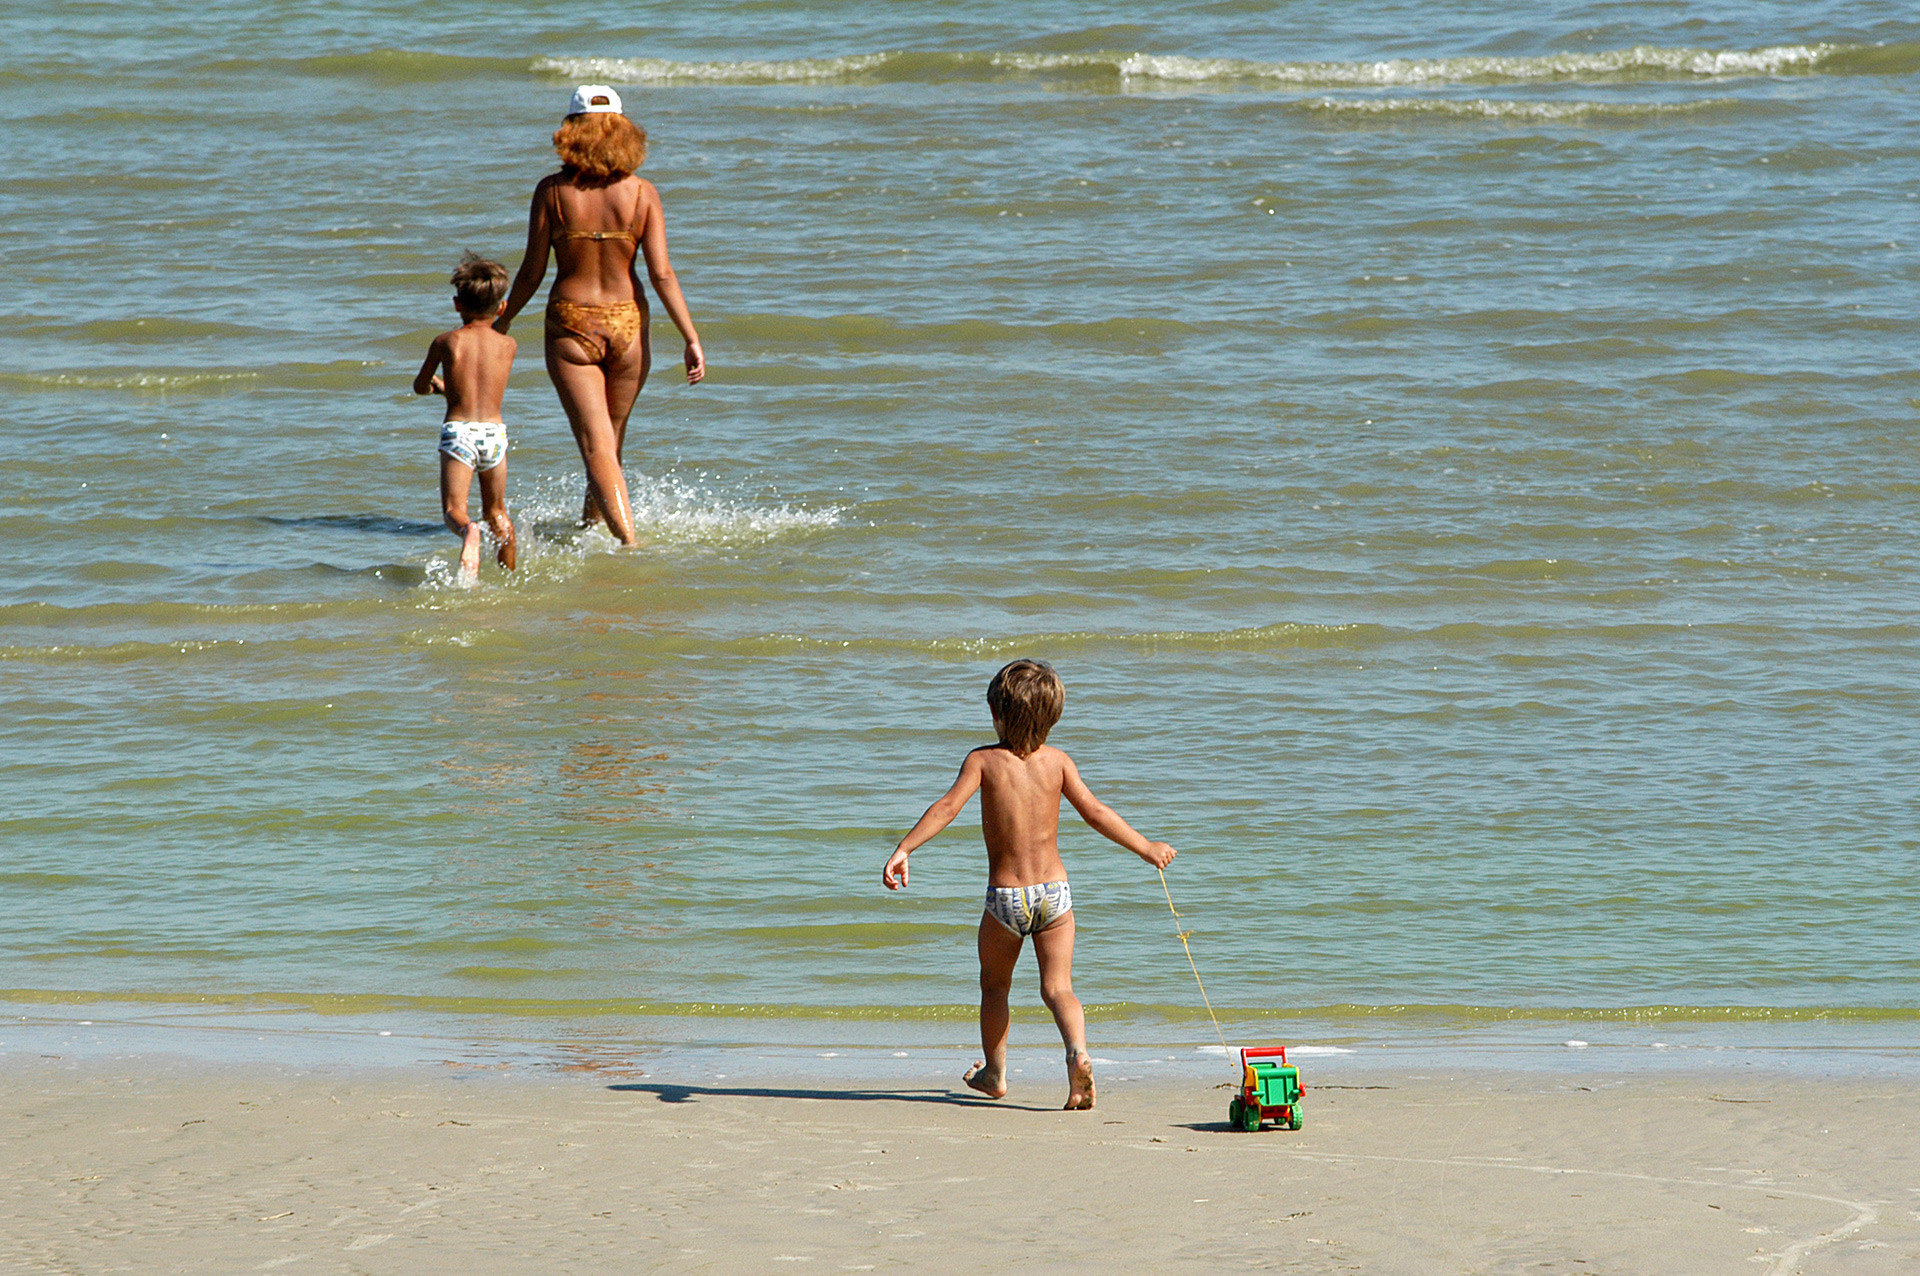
(1643,62)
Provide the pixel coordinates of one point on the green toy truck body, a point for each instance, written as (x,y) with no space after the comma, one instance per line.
(1269,1090)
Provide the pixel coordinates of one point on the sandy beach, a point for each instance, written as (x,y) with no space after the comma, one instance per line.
(131,1166)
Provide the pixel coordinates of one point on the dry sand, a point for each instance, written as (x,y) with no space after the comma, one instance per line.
(133,1167)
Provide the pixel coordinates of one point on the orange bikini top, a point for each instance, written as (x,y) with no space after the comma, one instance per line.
(561,231)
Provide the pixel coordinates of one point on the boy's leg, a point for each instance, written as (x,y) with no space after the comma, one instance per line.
(999,953)
(456,479)
(1054,949)
(493,507)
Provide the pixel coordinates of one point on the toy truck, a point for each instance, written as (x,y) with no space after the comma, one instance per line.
(1268,1091)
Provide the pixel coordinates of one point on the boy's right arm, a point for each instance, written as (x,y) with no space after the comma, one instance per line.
(424,382)
(937,817)
(1105,821)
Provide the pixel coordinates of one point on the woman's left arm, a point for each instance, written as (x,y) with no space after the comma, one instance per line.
(666,285)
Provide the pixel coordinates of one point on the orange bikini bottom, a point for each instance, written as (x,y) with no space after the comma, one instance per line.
(605,332)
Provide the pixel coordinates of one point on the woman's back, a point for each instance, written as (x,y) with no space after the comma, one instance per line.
(595,232)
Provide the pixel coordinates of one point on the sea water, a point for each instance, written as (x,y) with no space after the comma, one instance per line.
(1462,464)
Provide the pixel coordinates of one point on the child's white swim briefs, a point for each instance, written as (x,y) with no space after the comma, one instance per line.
(480,444)
(1026,909)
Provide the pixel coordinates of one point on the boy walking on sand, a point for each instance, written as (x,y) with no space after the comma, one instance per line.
(1021,781)
(473,439)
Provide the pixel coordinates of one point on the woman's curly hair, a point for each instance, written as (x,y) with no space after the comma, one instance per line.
(600,147)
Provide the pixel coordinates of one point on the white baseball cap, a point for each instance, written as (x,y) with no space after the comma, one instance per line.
(594,99)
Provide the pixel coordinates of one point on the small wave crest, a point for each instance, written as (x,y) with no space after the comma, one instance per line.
(386,66)
(341,374)
(1260,638)
(150,382)
(1642,62)
(1514,111)
(1288,636)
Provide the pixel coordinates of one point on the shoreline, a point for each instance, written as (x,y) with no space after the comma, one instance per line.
(882,1050)
(394,1170)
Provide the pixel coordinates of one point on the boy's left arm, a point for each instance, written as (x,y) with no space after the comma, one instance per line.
(424,381)
(1105,821)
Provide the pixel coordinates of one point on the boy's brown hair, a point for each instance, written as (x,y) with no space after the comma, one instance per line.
(478,284)
(1026,698)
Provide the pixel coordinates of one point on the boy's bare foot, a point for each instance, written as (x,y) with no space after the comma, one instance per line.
(1080,1083)
(509,552)
(991,1084)
(470,551)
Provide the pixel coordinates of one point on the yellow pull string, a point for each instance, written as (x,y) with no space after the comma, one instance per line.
(1196,970)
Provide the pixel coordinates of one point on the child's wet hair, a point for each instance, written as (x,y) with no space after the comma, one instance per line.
(479,284)
(1026,698)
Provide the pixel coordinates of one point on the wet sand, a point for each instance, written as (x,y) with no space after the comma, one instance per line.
(135,1166)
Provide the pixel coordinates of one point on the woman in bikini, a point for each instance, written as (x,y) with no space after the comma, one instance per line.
(598,219)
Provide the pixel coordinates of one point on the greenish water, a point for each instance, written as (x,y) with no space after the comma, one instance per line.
(1462,466)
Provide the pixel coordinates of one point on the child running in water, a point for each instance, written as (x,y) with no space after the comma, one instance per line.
(1021,781)
(473,440)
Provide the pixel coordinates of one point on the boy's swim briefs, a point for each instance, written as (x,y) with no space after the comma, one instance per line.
(1026,909)
(480,444)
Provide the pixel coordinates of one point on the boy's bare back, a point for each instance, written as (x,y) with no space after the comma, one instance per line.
(477,361)
(1020,812)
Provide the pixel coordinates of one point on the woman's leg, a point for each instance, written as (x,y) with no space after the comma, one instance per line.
(582,387)
(626,377)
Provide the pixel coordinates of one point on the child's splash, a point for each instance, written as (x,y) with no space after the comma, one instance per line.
(445,573)
(670,513)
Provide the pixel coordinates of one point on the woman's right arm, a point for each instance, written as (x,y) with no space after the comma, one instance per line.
(893,875)
(666,284)
(533,266)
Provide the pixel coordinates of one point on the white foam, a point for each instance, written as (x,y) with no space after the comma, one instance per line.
(675,510)
(1639,62)
(1643,61)
(660,70)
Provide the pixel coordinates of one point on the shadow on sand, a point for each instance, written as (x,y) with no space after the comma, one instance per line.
(670,1093)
